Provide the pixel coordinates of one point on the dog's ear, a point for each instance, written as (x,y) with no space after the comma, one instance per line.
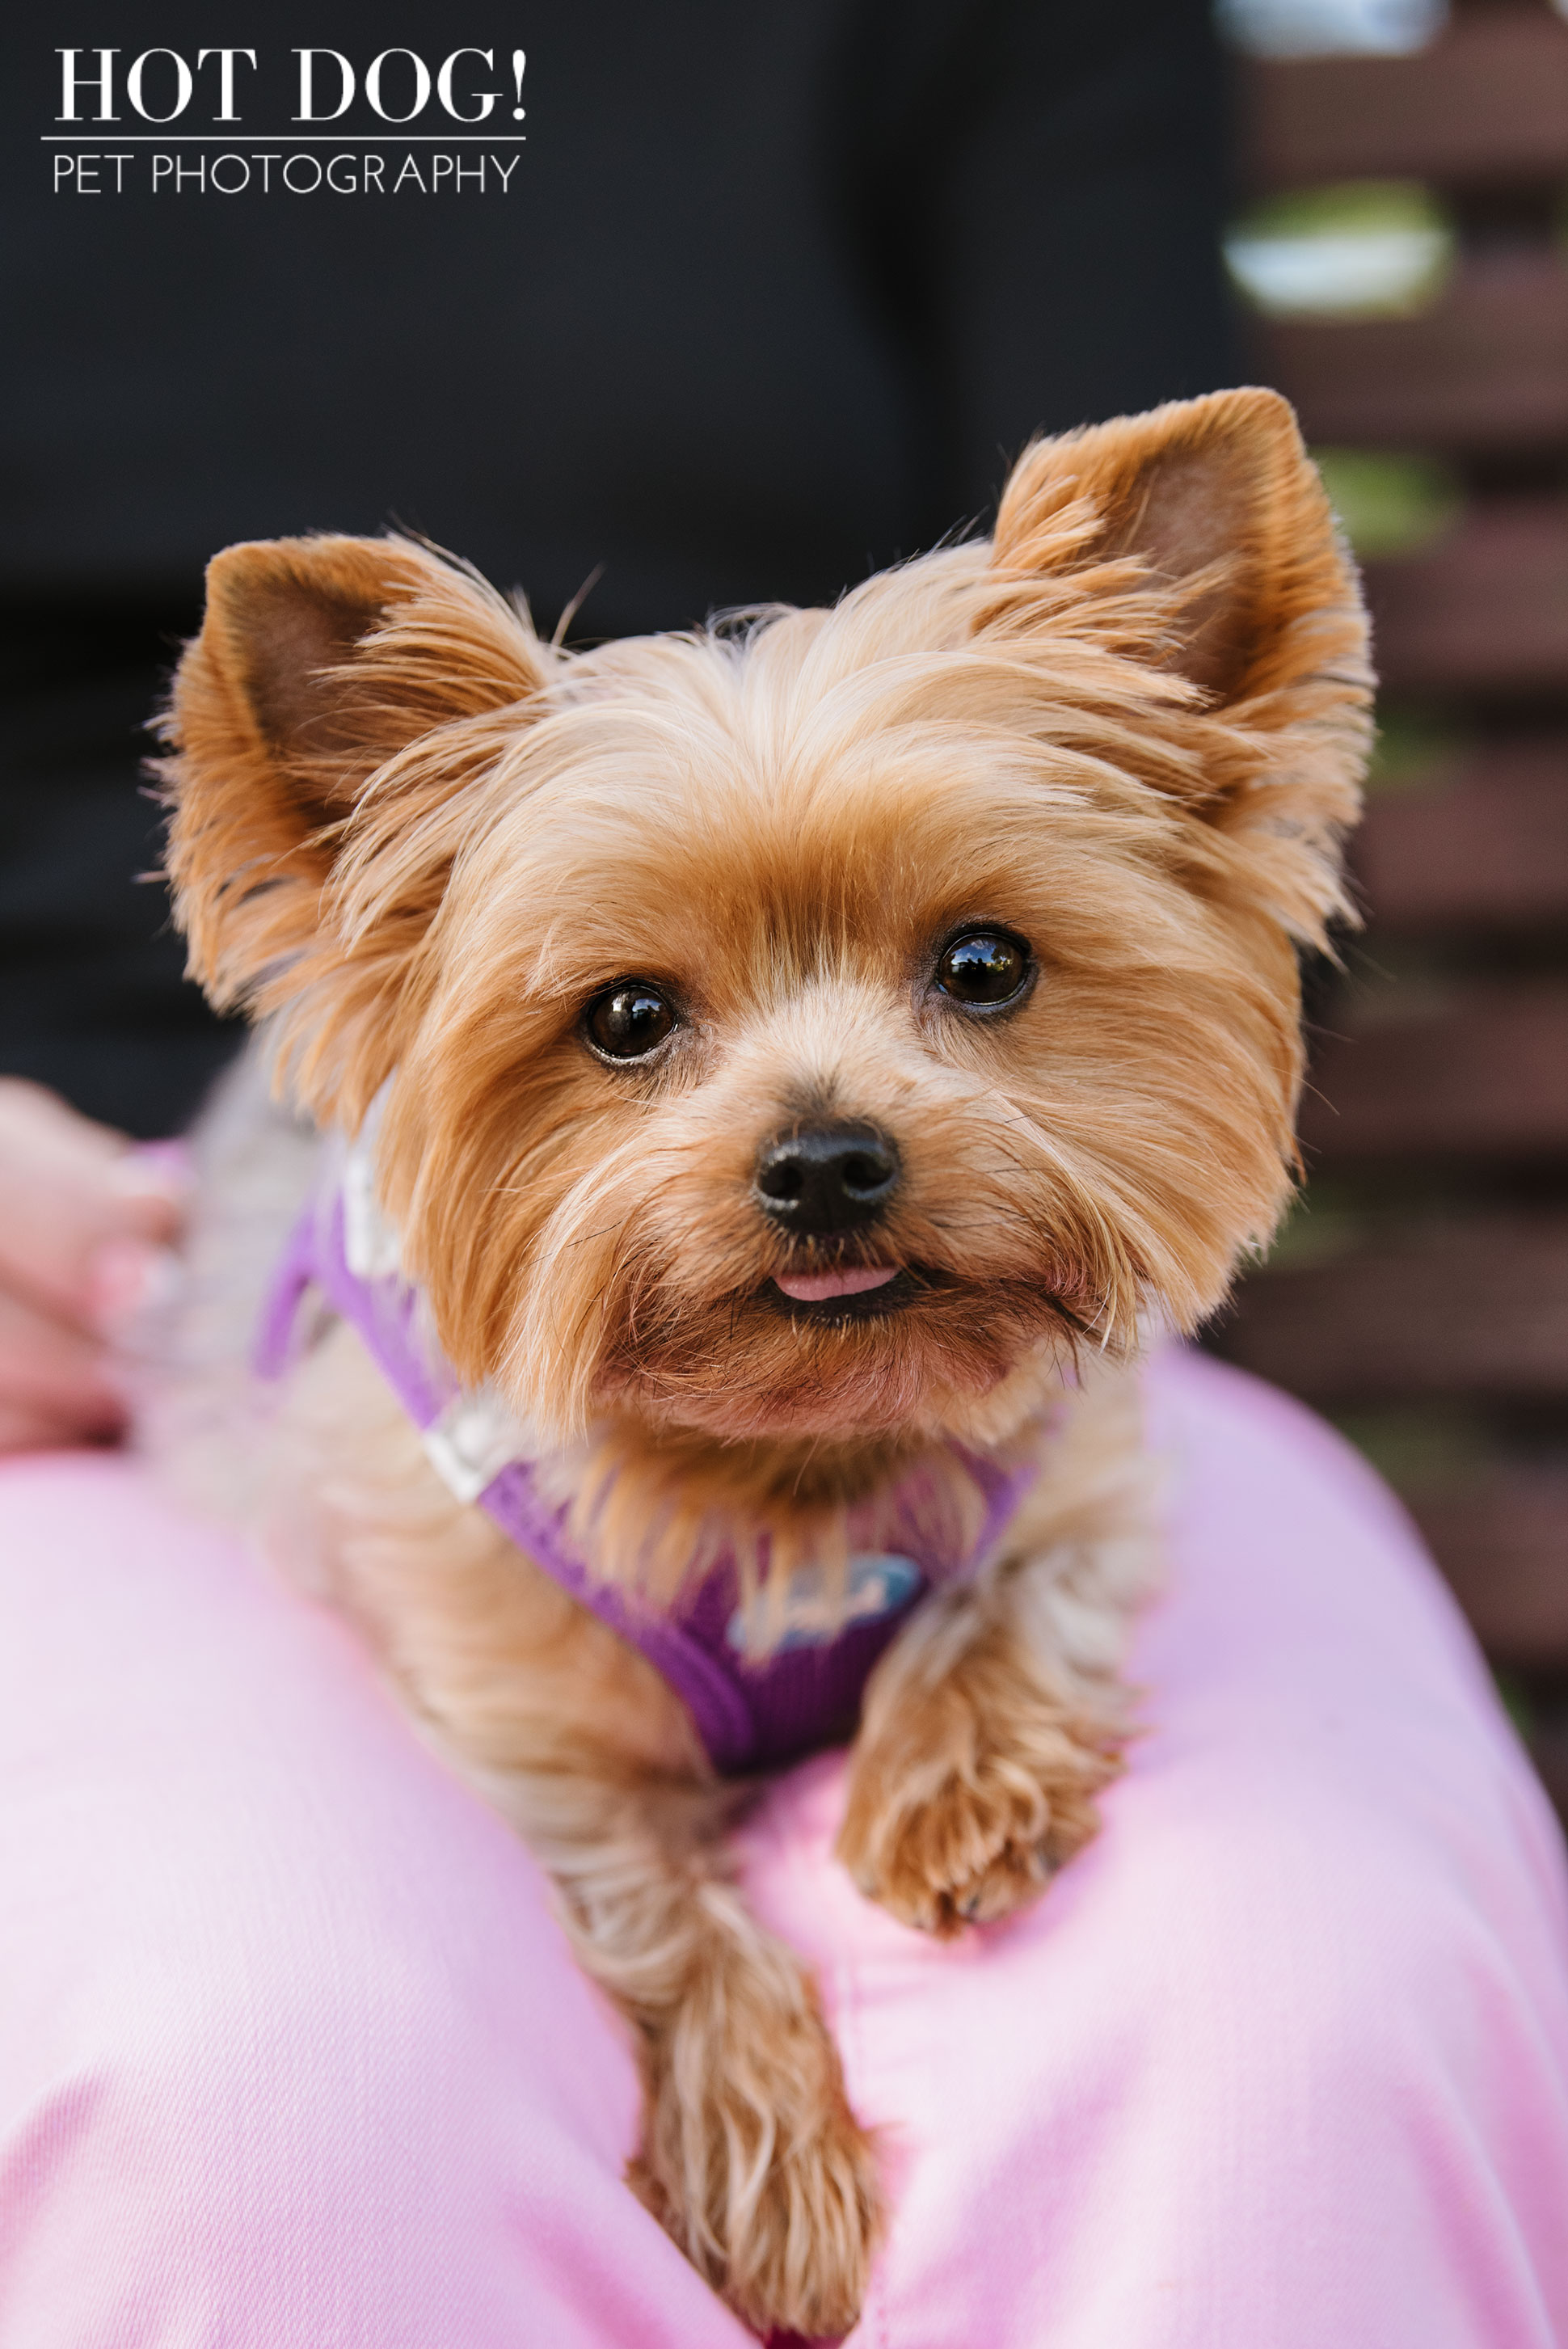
(1194,548)
(1219,503)
(338,687)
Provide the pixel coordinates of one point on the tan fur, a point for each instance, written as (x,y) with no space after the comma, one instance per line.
(751,2157)
(1128,731)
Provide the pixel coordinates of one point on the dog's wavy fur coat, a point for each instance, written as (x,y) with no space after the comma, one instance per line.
(1126,733)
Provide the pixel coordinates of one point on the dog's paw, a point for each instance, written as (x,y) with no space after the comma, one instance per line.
(962,1807)
(982,1844)
(752,2159)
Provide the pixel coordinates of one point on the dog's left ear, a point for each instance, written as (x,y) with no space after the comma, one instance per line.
(1218,501)
(1198,541)
(340,695)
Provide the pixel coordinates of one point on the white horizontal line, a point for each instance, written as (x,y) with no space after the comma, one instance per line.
(296,138)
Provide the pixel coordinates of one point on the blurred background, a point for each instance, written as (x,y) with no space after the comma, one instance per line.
(1400,246)
(779,295)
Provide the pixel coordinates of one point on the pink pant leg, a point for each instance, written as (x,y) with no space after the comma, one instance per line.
(291,2052)
(1281,2061)
(293,2055)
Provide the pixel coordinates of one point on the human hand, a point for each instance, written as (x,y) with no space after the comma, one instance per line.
(86,1224)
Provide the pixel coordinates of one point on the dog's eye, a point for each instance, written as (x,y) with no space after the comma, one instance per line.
(985,967)
(627,1021)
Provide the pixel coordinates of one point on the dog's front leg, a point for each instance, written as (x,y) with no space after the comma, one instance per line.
(975,1772)
(992,1724)
(752,2158)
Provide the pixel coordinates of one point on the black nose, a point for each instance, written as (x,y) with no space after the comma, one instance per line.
(823,1179)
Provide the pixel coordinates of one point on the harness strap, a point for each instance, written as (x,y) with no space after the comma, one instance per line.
(803,1695)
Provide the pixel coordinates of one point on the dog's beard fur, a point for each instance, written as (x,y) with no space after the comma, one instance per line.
(1128,732)
(782,823)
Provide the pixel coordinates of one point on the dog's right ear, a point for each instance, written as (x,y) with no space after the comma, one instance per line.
(332,677)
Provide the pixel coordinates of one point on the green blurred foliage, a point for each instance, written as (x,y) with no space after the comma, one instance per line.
(1362,248)
(1388,504)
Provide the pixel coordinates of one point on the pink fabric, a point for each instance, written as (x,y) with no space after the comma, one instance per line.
(293,2057)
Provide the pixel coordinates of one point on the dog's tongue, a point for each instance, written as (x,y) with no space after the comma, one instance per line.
(811,1287)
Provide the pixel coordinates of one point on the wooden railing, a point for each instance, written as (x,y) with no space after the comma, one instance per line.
(1428,1290)
(1484,371)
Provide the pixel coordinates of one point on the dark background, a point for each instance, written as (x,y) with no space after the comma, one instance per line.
(774,298)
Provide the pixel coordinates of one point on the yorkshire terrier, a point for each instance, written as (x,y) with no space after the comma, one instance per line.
(774,1082)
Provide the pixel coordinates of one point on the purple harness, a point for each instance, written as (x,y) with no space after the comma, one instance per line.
(806,1693)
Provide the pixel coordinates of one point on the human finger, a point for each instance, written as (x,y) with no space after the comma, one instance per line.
(53,1371)
(67,1188)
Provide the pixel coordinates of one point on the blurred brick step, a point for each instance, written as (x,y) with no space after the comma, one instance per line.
(1479,1075)
(1470,1310)
(1482,845)
(1502,1544)
(1485,370)
(1549,1752)
(1486,104)
(1483,611)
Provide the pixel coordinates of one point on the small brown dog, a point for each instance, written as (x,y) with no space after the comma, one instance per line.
(788,1073)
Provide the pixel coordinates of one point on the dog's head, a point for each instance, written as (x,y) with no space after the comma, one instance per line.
(819,1025)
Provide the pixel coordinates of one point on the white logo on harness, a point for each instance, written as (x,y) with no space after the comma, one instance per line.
(476,1436)
(878,1581)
